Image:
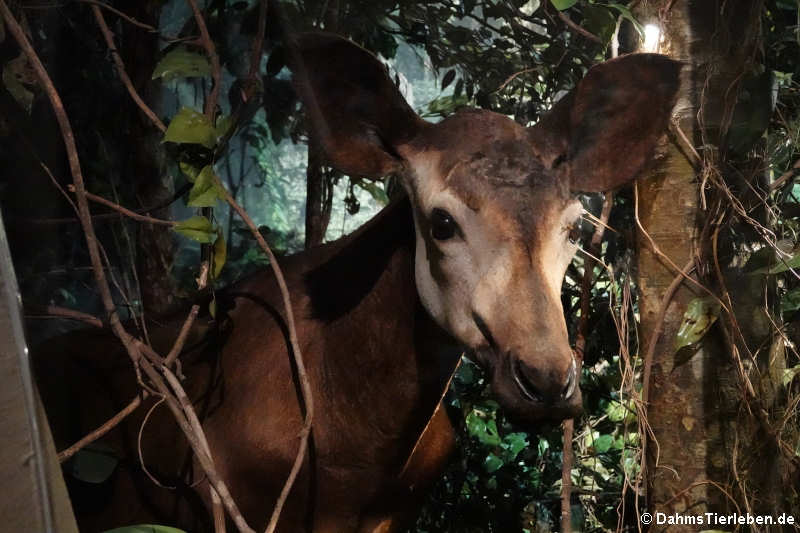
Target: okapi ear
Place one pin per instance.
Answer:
(602, 134)
(354, 108)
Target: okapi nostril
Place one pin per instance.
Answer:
(528, 389)
(571, 384)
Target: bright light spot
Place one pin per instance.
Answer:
(652, 38)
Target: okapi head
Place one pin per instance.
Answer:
(494, 202)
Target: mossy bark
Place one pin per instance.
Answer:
(709, 450)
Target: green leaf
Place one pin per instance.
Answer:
(196, 228)
(190, 171)
(191, 127)
(93, 464)
(220, 254)
(375, 190)
(561, 5)
(205, 192)
(603, 443)
(616, 411)
(448, 78)
(16, 74)
(626, 14)
(224, 123)
(782, 266)
(212, 308)
(145, 528)
(700, 315)
(789, 374)
(515, 443)
(181, 63)
(492, 463)
(484, 431)
(791, 300)
(600, 21)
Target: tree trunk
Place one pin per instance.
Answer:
(155, 248)
(707, 453)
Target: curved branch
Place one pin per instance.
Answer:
(123, 74)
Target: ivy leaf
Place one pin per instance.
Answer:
(191, 127)
(626, 14)
(561, 5)
(484, 431)
(515, 443)
(700, 315)
(17, 74)
(220, 254)
(377, 193)
(181, 63)
(603, 443)
(205, 192)
(448, 78)
(791, 300)
(224, 123)
(492, 463)
(600, 21)
(190, 171)
(196, 228)
(789, 374)
(784, 265)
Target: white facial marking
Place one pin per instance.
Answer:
(472, 272)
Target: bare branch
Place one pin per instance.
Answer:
(125, 211)
(123, 74)
(296, 353)
(110, 424)
(578, 29)
(211, 51)
(54, 311)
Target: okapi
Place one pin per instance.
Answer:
(472, 259)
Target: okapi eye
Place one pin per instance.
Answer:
(574, 235)
(443, 226)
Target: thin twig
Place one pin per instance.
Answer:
(54, 311)
(107, 426)
(513, 76)
(123, 74)
(181, 340)
(125, 211)
(785, 176)
(296, 353)
(96, 3)
(567, 462)
(211, 52)
(195, 442)
(578, 29)
(580, 347)
(191, 416)
(258, 41)
(658, 328)
(665, 257)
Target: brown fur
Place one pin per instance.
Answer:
(371, 408)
